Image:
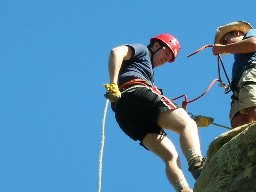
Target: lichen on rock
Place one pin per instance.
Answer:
(231, 162)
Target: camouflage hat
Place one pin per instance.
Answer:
(234, 26)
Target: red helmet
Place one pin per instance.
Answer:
(170, 41)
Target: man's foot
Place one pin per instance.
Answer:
(196, 166)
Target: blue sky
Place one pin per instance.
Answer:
(53, 63)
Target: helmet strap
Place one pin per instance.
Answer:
(152, 53)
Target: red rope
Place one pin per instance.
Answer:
(202, 48)
(227, 90)
(185, 102)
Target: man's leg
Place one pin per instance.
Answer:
(179, 121)
(164, 148)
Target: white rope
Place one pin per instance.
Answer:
(102, 145)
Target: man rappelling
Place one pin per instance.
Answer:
(142, 111)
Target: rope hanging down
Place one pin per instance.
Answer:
(102, 145)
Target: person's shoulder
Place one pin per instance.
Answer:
(139, 49)
(137, 45)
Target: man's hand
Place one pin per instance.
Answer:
(113, 93)
(218, 49)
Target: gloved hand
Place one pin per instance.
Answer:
(113, 93)
(202, 121)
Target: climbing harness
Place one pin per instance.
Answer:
(102, 145)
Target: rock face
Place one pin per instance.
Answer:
(231, 162)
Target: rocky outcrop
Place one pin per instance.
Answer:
(231, 162)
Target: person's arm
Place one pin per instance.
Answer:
(245, 46)
(116, 58)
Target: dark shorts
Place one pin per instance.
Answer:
(138, 109)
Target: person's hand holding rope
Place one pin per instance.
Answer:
(113, 93)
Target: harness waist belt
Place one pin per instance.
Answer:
(132, 83)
